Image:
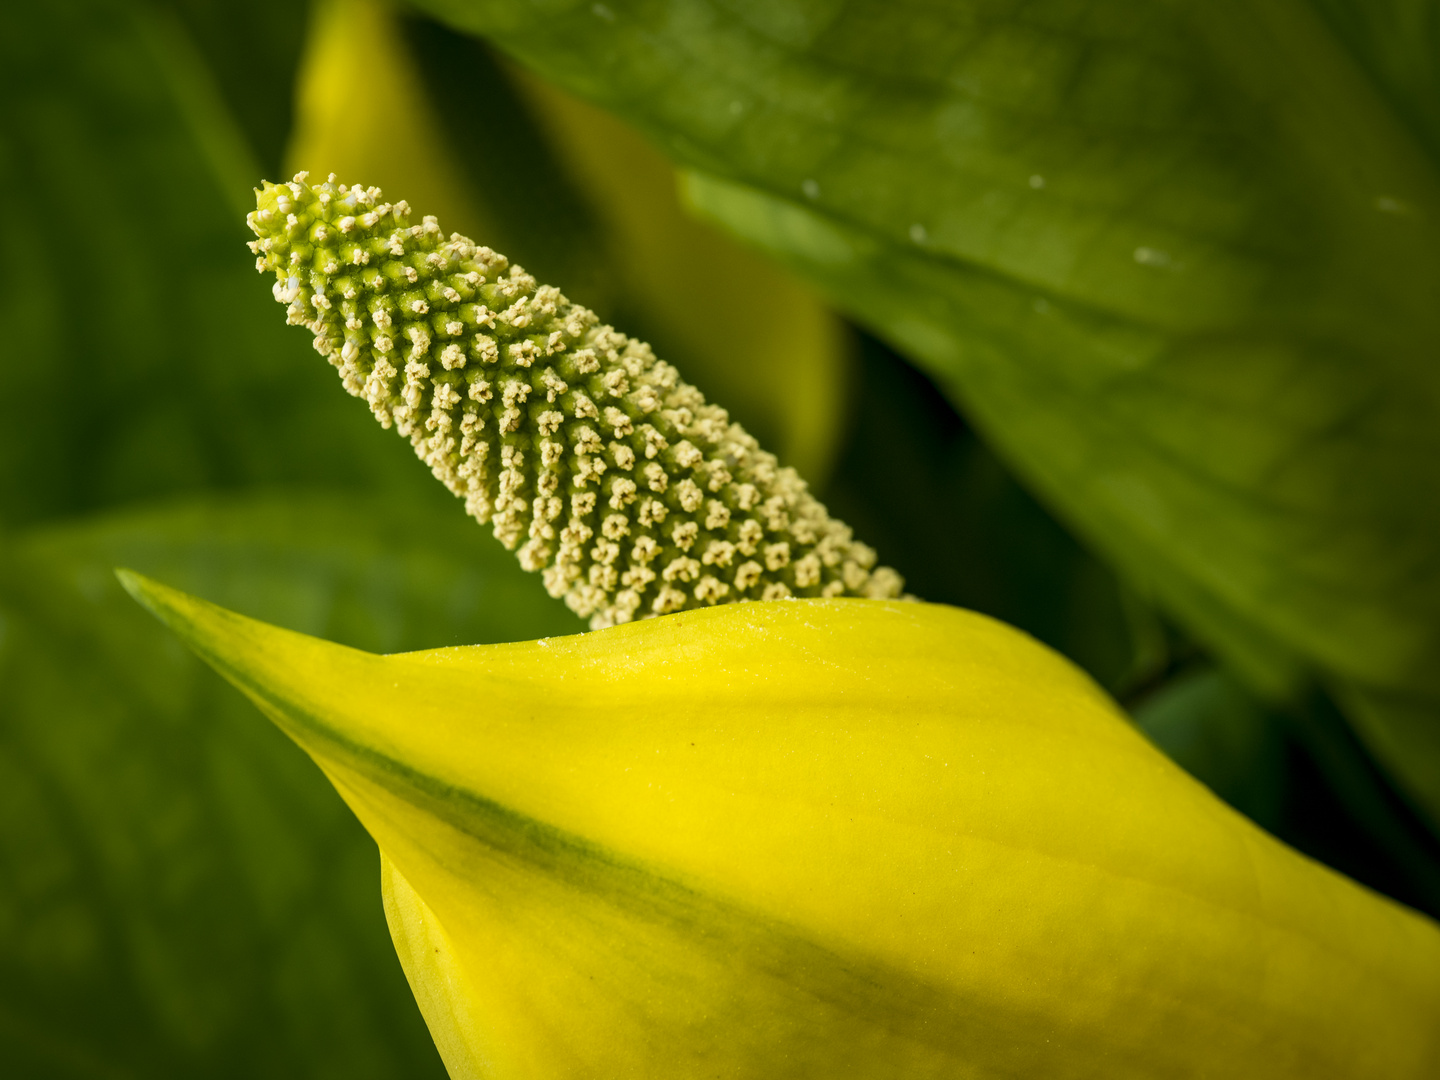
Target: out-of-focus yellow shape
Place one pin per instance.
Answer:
(824, 839)
(742, 329)
(751, 335)
(361, 110)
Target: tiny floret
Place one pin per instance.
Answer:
(526, 406)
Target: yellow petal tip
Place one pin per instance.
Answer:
(155, 598)
(196, 622)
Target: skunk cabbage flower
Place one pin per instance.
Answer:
(812, 837)
(824, 838)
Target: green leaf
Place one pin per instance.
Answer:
(143, 356)
(250, 51)
(1177, 261)
(181, 893)
(1396, 41)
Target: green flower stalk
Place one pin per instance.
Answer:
(607, 471)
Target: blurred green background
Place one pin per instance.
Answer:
(181, 893)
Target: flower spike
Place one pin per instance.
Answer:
(611, 474)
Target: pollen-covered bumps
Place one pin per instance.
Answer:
(609, 473)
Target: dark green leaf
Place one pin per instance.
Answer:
(1397, 42)
(250, 52)
(143, 354)
(181, 892)
(1178, 261)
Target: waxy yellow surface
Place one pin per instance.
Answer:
(825, 839)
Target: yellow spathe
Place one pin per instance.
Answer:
(825, 839)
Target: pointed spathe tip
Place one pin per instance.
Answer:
(177, 610)
(192, 620)
(282, 671)
(225, 639)
(157, 599)
(132, 582)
